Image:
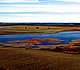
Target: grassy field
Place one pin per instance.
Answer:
(32, 30)
(26, 31)
(28, 59)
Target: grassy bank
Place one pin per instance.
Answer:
(23, 30)
(28, 59)
(6, 31)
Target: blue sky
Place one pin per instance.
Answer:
(40, 11)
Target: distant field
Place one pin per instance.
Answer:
(27, 31)
(33, 29)
(28, 59)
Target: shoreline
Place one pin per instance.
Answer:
(14, 33)
(12, 30)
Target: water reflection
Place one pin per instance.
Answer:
(67, 36)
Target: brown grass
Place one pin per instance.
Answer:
(33, 30)
(28, 59)
(40, 26)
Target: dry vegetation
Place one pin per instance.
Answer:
(34, 30)
(28, 59)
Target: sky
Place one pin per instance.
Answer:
(42, 11)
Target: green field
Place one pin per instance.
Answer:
(28, 59)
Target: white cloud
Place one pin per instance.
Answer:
(9, 1)
(50, 11)
(70, 0)
(41, 8)
(41, 18)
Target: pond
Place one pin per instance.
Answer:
(67, 36)
(4, 27)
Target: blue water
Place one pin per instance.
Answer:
(4, 27)
(67, 36)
